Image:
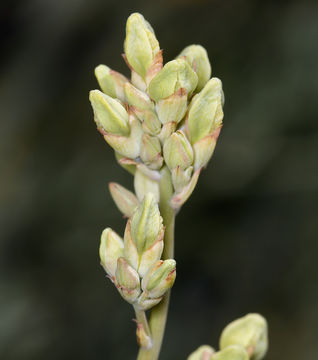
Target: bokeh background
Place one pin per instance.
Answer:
(247, 238)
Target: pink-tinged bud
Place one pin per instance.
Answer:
(145, 303)
(111, 248)
(146, 223)
(127, 281)
(173, 108)
(205, 111)
(137, 98)
(127, 146)
(141, 45)
(181, 178)
(150, 152)
(204, 148)
(111, 82)
(109, 113)
(144, 184)
(197, 57)
(180, 198)
(177, 151)
(160, 278)
(125, 200)
(143, 339)
(174, 75)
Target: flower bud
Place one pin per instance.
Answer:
(173, 108)
(143, 185)
(143, 339)
(131, 168)
(146, 223)
(177, 151)
(205, 114)
(151, 255)
(197, 57)
(181, 178)
(111, 248)
(127, 281)
(150, 122)
(166, 130)
(150, 152)
(137, 98)
(111, 82)
(232, 352)
(130, 248)
(174, 75)
(143, 240)
(204, 352)
(141, 45)
(127, 146)
(138, 81)
(109, 114)
(203, 149)
(145, 303)
(125, 200)
(181, 197)
(160, 278)
(250, 332)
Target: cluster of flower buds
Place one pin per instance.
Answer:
(133, 263)
(163, 117)
(243, 339)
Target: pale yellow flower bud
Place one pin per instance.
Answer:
(181, 197)
(127, 281)
(144, 184)
(125, 200)
(146, 303)
(143, 240)
(173, 108)
(160, 278)
(232, 352)
(181, 178)
(131, 168)
(150, 152)
(150, 122)
(197, 57)
(111, 82)
(110, 115)
(177, 151)
(137, 98)
(203, 149)
(146, 223)
(205, 114)
(127, 146)
(250, 332)
(204, 352)
(141, 45)
(166, 130)
(111, 248)
(174, 75)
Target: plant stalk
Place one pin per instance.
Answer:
(158, 315)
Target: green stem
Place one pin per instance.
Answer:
(159, 313)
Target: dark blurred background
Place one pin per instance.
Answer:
(247, 238)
